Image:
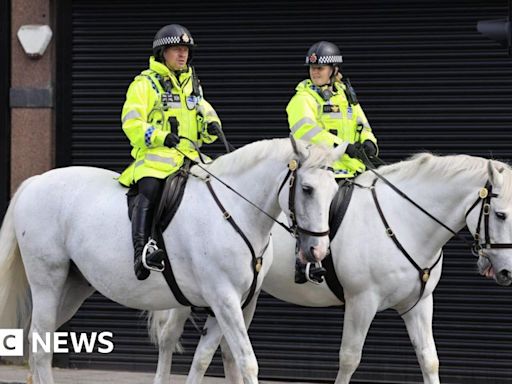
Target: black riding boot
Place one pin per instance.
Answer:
(316, 273)
(141, 227)
(300, 272)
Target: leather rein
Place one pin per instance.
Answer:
(484, 197)
(257, 261)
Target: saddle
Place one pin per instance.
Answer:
(339, 206)
(168, 201)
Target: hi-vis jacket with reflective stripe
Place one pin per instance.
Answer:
(330, 122)
(145, 119)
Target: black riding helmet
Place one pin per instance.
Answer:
(325, 53)
(170, 35)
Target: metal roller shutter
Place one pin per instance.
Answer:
(427, 81)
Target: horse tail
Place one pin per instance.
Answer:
(15, 297)
(158, 328)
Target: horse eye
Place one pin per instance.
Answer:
(501, 215)
(307, 189)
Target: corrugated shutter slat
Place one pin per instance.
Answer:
(427, 81)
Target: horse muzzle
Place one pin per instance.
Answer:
(503, 277)
(312, 249)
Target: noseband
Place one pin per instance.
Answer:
(484, 196)
(295, 229)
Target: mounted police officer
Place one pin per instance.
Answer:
(325, 110)
(164, 115)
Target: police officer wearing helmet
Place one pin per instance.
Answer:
(325, 110)
(163, 116)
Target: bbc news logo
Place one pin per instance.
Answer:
(11, 342)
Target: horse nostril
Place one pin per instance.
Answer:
(312, 250)
(506, 274)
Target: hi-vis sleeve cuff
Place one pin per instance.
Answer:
(158, 138)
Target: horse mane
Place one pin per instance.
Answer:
(445, 167)
(277, 149)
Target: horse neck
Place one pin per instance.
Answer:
(259, 184)
(447, 199)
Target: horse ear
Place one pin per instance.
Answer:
(495, 175)
(339, 151)
(299, 148)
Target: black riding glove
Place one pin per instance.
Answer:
(213, 128)
(171, 140)
(353, 150)
(369, 148)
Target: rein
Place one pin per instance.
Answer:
(293, 167)
(288, 229)
(424, 273)
(484, 196)
(257, 261)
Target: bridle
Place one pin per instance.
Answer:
(484, 196)
(295, 229)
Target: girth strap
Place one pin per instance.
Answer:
(424, 273)
(256, 261)
(169, 274)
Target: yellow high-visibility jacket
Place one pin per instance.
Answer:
(330, 122)
(153, 97)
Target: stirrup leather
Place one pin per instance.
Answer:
(149, 248)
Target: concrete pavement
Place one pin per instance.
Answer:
(15, 374)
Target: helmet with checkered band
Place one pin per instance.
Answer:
(171, 35)
(324, 53)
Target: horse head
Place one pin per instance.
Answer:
(492, 226)
(311, 189)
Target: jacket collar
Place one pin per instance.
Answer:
(308, 86)
(165, 72)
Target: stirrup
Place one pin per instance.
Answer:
(306, 272)
(149, 248)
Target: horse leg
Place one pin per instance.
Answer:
(46, 287)
(208, 345)
(231, 371)
(419, 326)
(75, 290)
(166, 328)
(226, 307)
(359, 314)
(205, 350)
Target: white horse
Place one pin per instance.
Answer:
(375, 274)
(69, 228)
